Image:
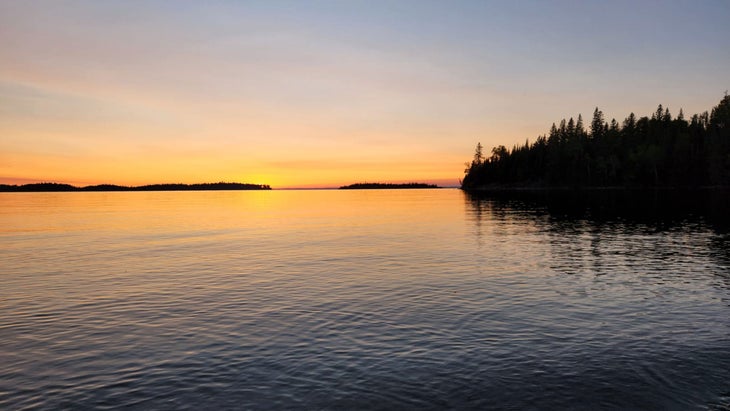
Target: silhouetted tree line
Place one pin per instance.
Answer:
(360, 186)
(656, 151)
(38, 187)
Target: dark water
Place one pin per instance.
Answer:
(416, 299)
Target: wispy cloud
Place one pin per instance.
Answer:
(234, 86)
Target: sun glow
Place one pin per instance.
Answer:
(253, 93)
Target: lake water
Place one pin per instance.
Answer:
(372, 299)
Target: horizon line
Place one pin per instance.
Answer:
(133, 187)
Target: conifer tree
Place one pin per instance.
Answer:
(650, 151)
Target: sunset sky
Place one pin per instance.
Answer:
(325, 93)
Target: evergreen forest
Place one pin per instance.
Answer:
(363, 186)
(660, 150)
(47, 187)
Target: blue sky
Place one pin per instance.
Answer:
(323, 93)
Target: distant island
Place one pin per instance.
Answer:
(657, 151)
(46, 187)
(366, 186)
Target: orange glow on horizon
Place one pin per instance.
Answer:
(245, 92)
(141, 171)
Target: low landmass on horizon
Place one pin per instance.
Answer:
(45, 187)
(648, 152)
(368, 186)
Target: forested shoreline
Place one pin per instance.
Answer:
(366, 186)
(48, 187)
(661, 151)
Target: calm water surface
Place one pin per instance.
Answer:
(407, 299)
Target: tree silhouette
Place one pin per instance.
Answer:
(39, 187)
(656, 151)
(478, 155)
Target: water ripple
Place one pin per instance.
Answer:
(332, 300)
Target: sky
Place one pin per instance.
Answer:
(327, 93)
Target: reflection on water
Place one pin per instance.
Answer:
(363, 299)
(635, 277)
(613, 224)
